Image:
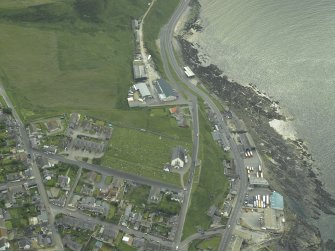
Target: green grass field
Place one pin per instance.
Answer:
(60, 56)
(212, 186)
(208, 244)
(142, 153)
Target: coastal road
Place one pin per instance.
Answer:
(168, 57)
(193, 106)
(43, 195)
(108, 171)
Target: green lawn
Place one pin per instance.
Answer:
(124, 247)
(212, 186)
(142, 153)
(158, 16)
(108, 180)
(209, 244)
(60, 56)
(152, 119)
(137, 194)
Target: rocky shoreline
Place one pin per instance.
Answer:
(289, 165)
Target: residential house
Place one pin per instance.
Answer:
(74, 119)
(178, 157)
(94, 206)
(44, 240)
(110, 233)
(4, 244)
(64, 182)
(24, 244)
(69, 243)
(70, 221)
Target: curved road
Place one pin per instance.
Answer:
(168, 57)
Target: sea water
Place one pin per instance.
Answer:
(286, 48)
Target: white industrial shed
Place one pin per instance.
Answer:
(143, 89)
(189, 73)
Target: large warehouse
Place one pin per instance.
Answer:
(143, 90)
(140, 74)
(164, 90)
(277, 201)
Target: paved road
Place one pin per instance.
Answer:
(168, 56)
(108, 171)
(195, 148)
(35, 171)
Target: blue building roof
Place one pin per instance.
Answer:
(166, 88)
(277, 201)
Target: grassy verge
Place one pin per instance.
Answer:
(3, 102)
(212, 185)
(157, 17)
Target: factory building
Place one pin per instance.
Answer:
(258, 182)
(140, 73)
(189, 73)
(277, 201)
(143, 89)
(164, 90)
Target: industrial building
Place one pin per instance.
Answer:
(189, 73)
(258, 181)
(164, 90)
(277, 201)
(140, 73)
(143, 89)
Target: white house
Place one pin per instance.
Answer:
(178, 157)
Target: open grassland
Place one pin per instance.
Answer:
(158, 16)
(15, 4)
(208, 244)
(151, 119)
(142, 153)
(60, 56)
(213, 184)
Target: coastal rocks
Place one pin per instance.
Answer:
(289, 164)
(305, 237)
